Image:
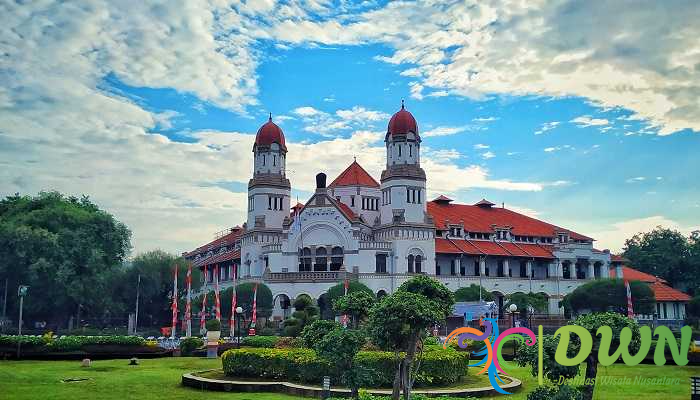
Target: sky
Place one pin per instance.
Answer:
(584, 114)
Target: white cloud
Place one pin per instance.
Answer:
(585, 121)
(480, 146)
(485, 119)
(639, 58)
(547, 126)
(636, 179)
(444, 131)
(552, 149)
(488, 154)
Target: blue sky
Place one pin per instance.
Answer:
(596, 134)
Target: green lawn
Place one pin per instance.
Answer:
(160, 378)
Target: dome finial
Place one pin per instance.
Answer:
(402, 104)
(270, 117)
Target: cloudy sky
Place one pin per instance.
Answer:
(585, 114)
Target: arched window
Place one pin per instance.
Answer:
(321, 263)
(380, 263)
(410, 263)
(304, 259)
(419, 261)
(336, 258)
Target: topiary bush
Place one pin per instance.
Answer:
(72, 343)
(286, 342)
(314, 332)
(213, 325)
(438, 366)
(260, 341)
(190, 344)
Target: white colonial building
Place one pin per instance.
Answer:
(382, 233)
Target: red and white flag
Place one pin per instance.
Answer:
(188, 306)
(203, 313)
(174, 306)
(345, 316)
(216, 293)
(233, 303)
(630, 310)
(254, 318)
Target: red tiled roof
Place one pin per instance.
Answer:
(401, 123)
(442, 198)
(481, 219)
(617, 258)
(230, 255)
(270, 133)
(346, 210)
(226, 240)
(354, 175)
(662, 292)
(490, 248)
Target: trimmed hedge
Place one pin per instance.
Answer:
(260, 341)
(438, 367)
(71, 343)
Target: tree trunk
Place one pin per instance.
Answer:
(396, 392)
(408, 363)
(591, 372)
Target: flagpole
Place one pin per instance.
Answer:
(254, 317)
(188, 307)
(136, 317)
(174, 324)
(203, 313)
(233, 304)
(216, 293)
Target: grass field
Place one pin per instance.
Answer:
(160, 378)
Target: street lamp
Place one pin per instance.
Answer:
(22, 293)
(239, 311)
(512, 309)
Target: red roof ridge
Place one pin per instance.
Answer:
(503, 247)
(522, 249)
(354, 175)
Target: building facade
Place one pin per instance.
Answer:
(382, 233)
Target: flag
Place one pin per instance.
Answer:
(296, 225)
(233, 303)
(254, 318)
(188, 306)
(345, 316)
(217, 306)
(203, 313)
(630, 310)
(174, 325)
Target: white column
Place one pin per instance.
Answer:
(605, 270)
(528, 268)
(560, 269)
(482, 266)
(458, 264)
(591, 270)
(506, 268)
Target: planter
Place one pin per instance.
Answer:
(213, 337)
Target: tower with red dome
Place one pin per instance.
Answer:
(268, 194)
(403, 179)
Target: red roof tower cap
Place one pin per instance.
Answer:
(402, 123)
(354, 175)
(270, 133)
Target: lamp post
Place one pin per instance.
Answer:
(512, 309)
(239, 311)
(21, 292)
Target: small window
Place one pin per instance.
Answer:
(352, 201)
(399, 150)
(263, 160)
(274, 161)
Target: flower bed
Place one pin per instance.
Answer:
(438, 366)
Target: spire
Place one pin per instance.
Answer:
(402, 107)
(270, 117)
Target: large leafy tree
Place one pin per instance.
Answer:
(400, 321)
(356, 305)
(603, 295)
(326, 301)
(471, 293)
(537, 302)
(66, 249)
(339, 347)
(666, 253)
(244, 299)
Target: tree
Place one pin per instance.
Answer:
(339, 347)
(693, 309)
(64, 248)
(356, 305)
(603, 295)
(244, 293)
(616, 322)
(326, 301)
(399, 322)
(471, 293)
(305, 313)
(665, 253)
(315, 331)
(527, 301)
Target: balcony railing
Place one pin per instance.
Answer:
(272, 248)
(306, 276)
(364, 245)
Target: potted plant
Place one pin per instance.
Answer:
(213, 330)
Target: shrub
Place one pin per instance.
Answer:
(12, 340)
(314, 332)
(190, 344)
(438, 366)
(71, 343)
(562, 392)
(260, 341)
(213, 325)
(286, 342)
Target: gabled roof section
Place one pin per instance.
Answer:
(478, 218)
(484, 203)
(443, 199)
(227, 240)
(354, 175)
(662, 291)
